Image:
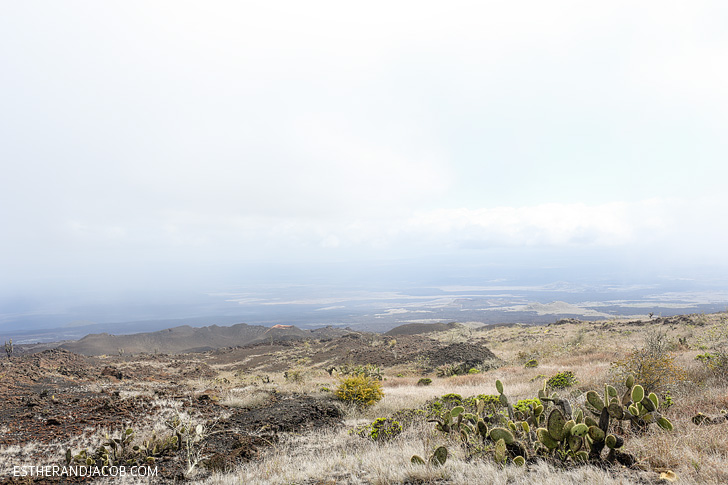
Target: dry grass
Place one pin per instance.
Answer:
(696, 454)
(246, 397)
(344, 458)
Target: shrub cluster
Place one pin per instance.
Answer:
(561, 380)
(369, 370)
(381, 429)
(715, 363)
(360, 390)
(653, 365)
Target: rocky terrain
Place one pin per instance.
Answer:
(239, 405)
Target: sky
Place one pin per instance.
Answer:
(170, 141)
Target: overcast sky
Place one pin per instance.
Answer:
(137, 134)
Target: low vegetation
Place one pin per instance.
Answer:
(607, 402)
(360, 390)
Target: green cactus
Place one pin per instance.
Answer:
(482, 429)
(545, 438)
(548, 427)
(629, 383)
(500, 451)
(638, 393)
(655, 400)
(497, 434)
(575, 443)
(579, 430)
(589, 421)
(613, 442)
(416, 460)
(593, 398)
(555, 424)
(616, 411)
(664, 423)
(596, 434)
(479, 406)
(648, 405)
(439, 457)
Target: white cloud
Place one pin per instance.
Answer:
(143, 130)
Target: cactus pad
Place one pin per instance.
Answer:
(596, 433)
(579, 429)
(497, 434)
(638, 393)
(629, 382)
(456, 411)
(575, 443)
(555, 424)
(616, 411)
(595, 400)
(439, 457)
(544, 437)
(664, 423)
(500, 451)
(499, 386)
(416, 460)
(482, 428)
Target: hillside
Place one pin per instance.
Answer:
(182, 339)
(268, 411)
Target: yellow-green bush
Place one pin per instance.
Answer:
(360, 390)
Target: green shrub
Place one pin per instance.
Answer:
(381, 429)
(369, 370)
(451, 398)
(715, 363)
(532, 363)
(425, 381)
(360, 390)
(492, 403)
(437, 405)
(526, 405)
(562, 380)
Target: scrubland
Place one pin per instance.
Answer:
(683, 360)
(673, 354)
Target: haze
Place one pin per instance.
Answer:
(157, 153)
